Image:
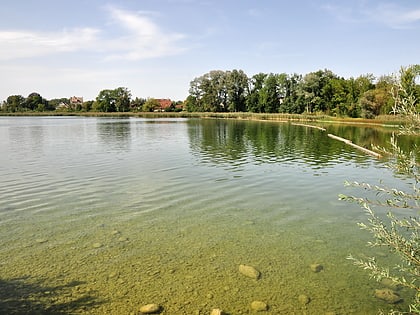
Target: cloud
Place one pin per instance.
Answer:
(135, 36)
(392, 15)
(16, 44)
(144, 38)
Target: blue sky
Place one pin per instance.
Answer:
(156, 47)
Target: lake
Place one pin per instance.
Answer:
(104, 215)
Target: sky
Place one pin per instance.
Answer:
(155, 48)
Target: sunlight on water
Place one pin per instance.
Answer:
(101, 216)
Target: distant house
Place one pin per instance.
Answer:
(164, 104)
(75, 101)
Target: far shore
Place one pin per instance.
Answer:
(384, 120)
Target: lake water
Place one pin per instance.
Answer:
(103, 215)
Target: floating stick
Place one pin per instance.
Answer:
(310, 126)
(346, 141)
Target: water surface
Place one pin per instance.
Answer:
(103, 215)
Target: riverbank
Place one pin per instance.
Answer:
(385, 120)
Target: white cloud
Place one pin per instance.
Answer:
(144, 38)
(137, 37)
(21, 44)
(392, 15)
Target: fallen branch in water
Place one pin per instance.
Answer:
(346, 141)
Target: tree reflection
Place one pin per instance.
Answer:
(226, 141)
(115, 133)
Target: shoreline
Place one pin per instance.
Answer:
(383, 121)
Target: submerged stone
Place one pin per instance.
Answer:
(389, 283)
(216, 311)
(388, 295)
(259, 306)
(249, 271)
(150, 308)
(316, 267)
(304, 299)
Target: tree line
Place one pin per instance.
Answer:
(233, 91)
(316, 92)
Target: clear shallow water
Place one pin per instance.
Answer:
(102, 215)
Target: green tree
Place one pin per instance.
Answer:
(255, 85)
(35, 102)
(371, 103)
(315, 88)
(150, 105)
(14, 103)
(291, 96)
(137, 104)
(55, 102)
(117, 100)
(385, 85)
(269, 98)
(87, 106)
(236, 86)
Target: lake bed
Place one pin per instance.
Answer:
(104, 215)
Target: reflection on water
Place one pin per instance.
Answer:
(266, 142)
(115, 133)
(102, 215)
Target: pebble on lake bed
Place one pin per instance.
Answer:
(304, 299)
(150, 309)
(216, 311)
(316, 267)
(388, 296)
(249, 272)
(259, 306)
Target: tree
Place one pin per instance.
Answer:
(117, 100)
(269, 98)
(14, 103)
(137, 104)
(371, 103)
(87, 106)
(315, 93)
(56, 102)
(290, 93)
(255, 85)
(150, 105)
(236, 85)
(385, 85)
(35, 101)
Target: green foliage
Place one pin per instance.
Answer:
(400, 235)
(117, 100)
(14, 103)
(150, 105)
(316, 92)
(137, 104)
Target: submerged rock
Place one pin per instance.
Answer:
(259, 306)
(249, 271)
(316, 267)
(304, 299)
(388, 295)
(150, 309)
(216, 311)
(389, 283)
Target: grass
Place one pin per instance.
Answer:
(384, 120)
